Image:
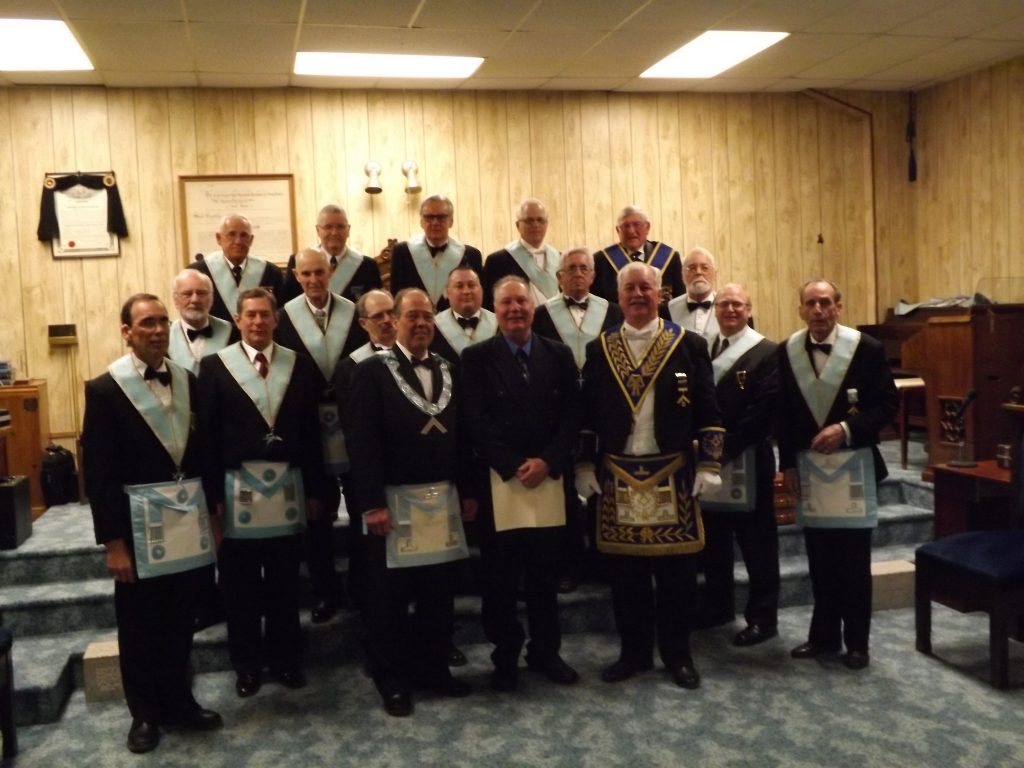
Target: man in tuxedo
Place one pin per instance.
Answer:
(694, 310)
(139, 431)
(530, 256)
(522, 412)
(465, 321)
(352, 273)
(376, 312)
(745, 366)
(575, 317)
(837, 395)
(233, 270)
(425, 261)
(632, 228)
(319, 324)
(649, 393)
(258, 413)
(404, 437)
(196, 334)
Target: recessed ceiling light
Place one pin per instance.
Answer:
(328, 64)
(39, 45)
(713, 53)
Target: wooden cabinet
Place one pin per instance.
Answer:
(29, 435)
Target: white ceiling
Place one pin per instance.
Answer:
(530, 44)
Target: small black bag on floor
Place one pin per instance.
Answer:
(57, 476)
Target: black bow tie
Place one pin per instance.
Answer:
(826, 348)
(467, 322)
(192, 333)
(571, 302)
(426, 362)
(692, 305)
(436, 249)
(164, 377)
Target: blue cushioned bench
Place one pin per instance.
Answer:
(977, 571)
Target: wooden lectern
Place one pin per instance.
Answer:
(979, 349)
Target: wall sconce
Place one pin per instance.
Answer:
(412, 184)
(372, 171)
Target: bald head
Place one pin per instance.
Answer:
(732, 309)
(313, 271)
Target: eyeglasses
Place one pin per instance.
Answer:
(380, 317)
(634, 224)
(333, 227)
(533, 221)
(437, 217)
(201, 293)
(583, 269)
(734, 305)
(699, 268)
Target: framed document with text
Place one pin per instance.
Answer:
(267, 200)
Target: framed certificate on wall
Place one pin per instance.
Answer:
(267, 200)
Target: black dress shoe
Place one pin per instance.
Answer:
(452, 688)
(504, 679)
(143, 737)
(323, 610)
(291, 678)
(554, 669)
(809, 650)
(247, 684)
(856, 659)
(456, 658)
(754, 634)
(199, 719)
(686, 676)
(623, 670)
(398, 704)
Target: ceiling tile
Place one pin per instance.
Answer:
(392, 13)
(476, 83)
(123, 10)
(579, 15)
(668, 16)
(961, 18)
(797, 84)
(874, 15)
(56, 78)
(881, 85)
(126, 46)
(1013, 29)
(956, 58)
(584, 83)
(243, 47)
(417, 41)
(473, 14)
(250, 11)
(780, 15)
(28, 9)
(795, 53)
(873, 55)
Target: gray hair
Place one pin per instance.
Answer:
(574, 250)
(632, 210)
(187, 273)
(633, 266)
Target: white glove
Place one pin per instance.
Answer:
(705, 481)
(586, 483)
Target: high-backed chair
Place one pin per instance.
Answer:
(10, 735)
(976, 571)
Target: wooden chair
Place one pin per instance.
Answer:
(976, 571)
(7, 728)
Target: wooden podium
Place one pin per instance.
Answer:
(30, 433)
(979, 349)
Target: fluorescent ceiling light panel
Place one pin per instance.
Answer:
(328, 64)
(39, 45)
(713, 53)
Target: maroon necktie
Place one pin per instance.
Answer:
(261, 364)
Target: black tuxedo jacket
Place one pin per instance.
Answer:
(233, 429)
(384, 432)
(120, 449)
(271, 281)
(286, 335)
(606, 276)
(405, 275)
(748, 411)
(366, 278)
(543, 325)
(878, 401)
(510, 420)
(496, 266)
(675, 425)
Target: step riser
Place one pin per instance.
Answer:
(44, 569)
(56, 618)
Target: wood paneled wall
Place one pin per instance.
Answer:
(779, 186)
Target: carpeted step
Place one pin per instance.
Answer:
(55, 607)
